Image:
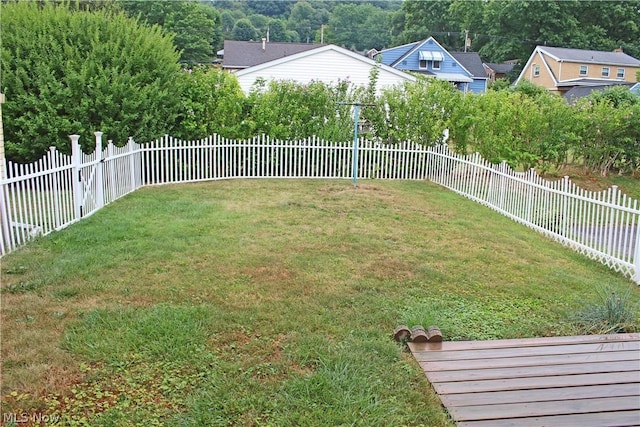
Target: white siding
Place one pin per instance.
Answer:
(329, 66)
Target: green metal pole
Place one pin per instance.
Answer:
(356, 119)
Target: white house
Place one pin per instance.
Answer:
(328, 64)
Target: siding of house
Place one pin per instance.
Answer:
(453, 69)
(477, 86)
(568, 70)
(391, 55)
(545, 78)
(328, 66)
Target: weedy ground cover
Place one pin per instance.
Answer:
(271, 302)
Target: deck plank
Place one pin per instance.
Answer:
(583, 380)
(488, 353)
(553, 359)
(541, 395)
(534, 383)
(533, 371)
(603, 419)
(538, 409)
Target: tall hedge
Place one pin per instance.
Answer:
(74, 72)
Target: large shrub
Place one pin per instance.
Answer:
(290, 110)
(419, 111)
(526, 127)
(75, 72)
(609, 124)
(212, 102)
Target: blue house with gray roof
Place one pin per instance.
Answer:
(428, 57)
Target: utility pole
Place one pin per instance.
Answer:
(466, 39)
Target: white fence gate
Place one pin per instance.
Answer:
(58, 190)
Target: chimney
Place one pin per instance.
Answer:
(264, 44)
(618, 50)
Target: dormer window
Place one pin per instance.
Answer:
(425, 57)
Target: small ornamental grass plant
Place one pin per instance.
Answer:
(613, 311)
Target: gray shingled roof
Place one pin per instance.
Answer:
(581, 91)
(500, 68)
(244, 54)
(471, 61)
(590, 56)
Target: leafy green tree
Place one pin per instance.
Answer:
(271, 8)
(425, 18)
(74, 72)
(212, 102)
(510, 29)
(358, 27)
(260, 23)
(244, 30)
(197, 28)
(277, 31)
(306, 20)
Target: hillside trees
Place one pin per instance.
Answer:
(74, 72)
(510, 29)
(197, 28)
(358, 27)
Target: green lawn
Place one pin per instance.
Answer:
(272, 302)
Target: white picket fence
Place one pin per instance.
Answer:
(59, 190)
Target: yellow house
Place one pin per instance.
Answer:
(560, 69)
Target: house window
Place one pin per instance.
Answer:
(423, 63)
(584, 70)
(620, 73)
(436, 65)
(605, 71)
(536, 71)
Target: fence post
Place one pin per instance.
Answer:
(111, 179)
(636, 255)
(55, 188)
(132, 164)
(99, 172)
(76, 161)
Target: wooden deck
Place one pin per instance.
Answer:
(562, 381)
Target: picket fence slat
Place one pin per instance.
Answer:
(59, 190)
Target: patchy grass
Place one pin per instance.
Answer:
(271, 302)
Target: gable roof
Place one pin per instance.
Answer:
(582, 91)
(244, 54)
(499, 68)
(324, 63)
(471, 62)
(588, 56)
(577, 55)
(410, 48)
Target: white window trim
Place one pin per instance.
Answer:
(433, 64)
(426, 64)
(623, 73)
(536, 70)
(586, 71)
(608, 72)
